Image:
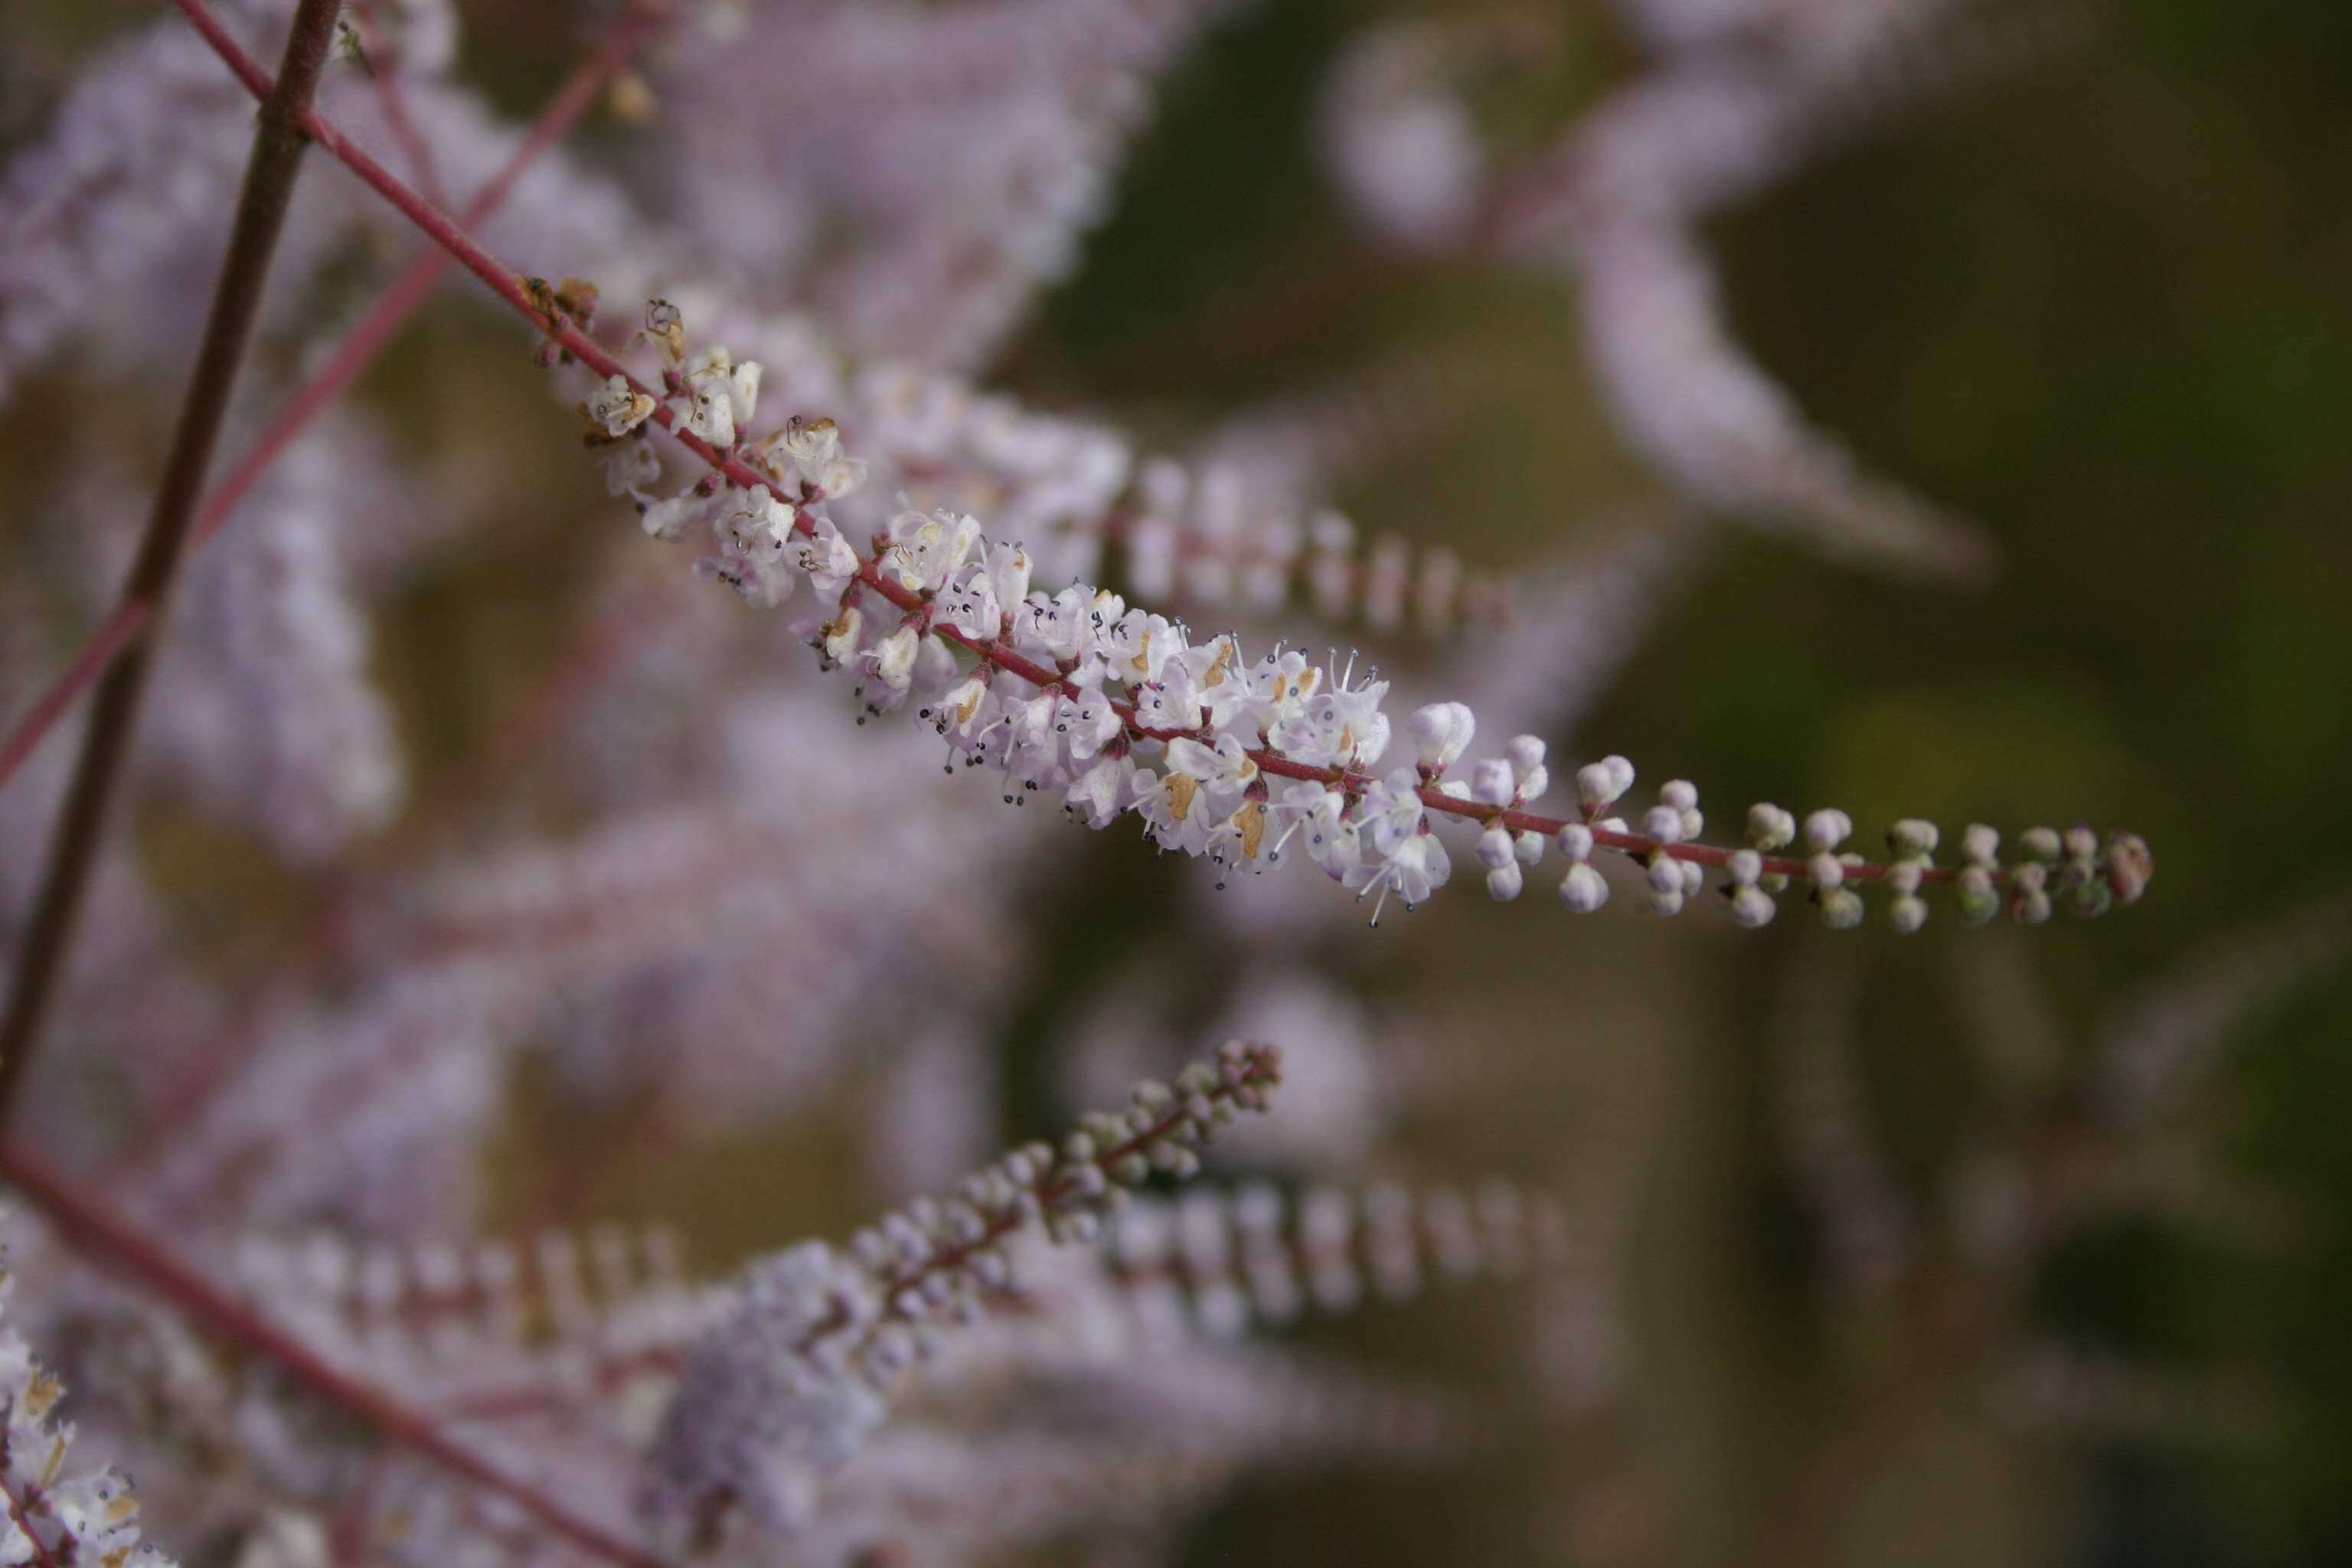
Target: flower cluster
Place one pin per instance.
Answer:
(787, 1388)
(53, 1516)
(1118, 710)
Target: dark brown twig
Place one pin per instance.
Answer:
(277, 142)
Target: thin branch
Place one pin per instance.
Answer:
(385, 65)
(270, 174)
(88, 1224)
(401, 298)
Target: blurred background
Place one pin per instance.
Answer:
(486, 872)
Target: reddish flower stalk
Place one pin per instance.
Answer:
(88, 1224)
(509, 286)
(1261, 1070)
(400, 300)
(517, 292)
(384, 65)
(262, 203)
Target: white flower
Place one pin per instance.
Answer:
(1169, 703)
(629, 466)
(1008, 572)
(1237, 839)
(1173, 813)
(1217, 686)
(1342, 726)
(1224, 770)
(840, 636)
(1390, 811)
(617, 408)
(1137, 644)
(1316, 811)
(810, 445)
(1086, 723)
(665, 328)
(757, 523)
(969, 604)
(1056, 629)
(1100, 793)
(843, 475)
(827, 558)
(709, 410)
(743, 393)
(924, 549)
(960, 712)
(1279, 685)
(670, 519)
(1416, 867)
(892, 661)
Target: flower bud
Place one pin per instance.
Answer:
(1912, 836)
(1583, 890)
(1496, 849)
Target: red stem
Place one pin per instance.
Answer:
(385, 68)
(88, 1224)
(400, 298)
(21, 1510)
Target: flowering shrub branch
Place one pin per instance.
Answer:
(953, 587)
(787, 1388)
